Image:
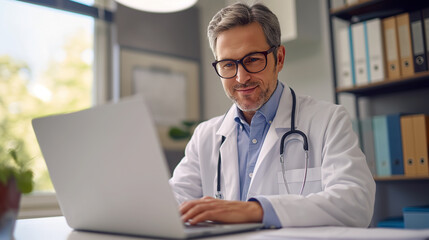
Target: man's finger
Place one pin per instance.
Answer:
(190, 204)
(195, 208)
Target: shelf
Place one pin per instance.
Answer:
(401, 178)
(376, 8)
(389, 95)
(417, 81)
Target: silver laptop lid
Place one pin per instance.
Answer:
(108, 170)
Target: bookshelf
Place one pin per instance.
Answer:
(417, 81)
(402, 178)
(388, 96)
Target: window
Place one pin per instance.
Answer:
(46, 66)
(46, 59)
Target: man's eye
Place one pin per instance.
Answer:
(252, 60)
(227, 65)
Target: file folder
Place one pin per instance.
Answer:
(391, 222)
(345, 74)
(382, 148)
(405, 48)
(391, 47)
(395, 144)
(421, 133)
(416, 217)
(419, 46)
(425, 15)
(407, 132)
(376, 67)
(359, 53)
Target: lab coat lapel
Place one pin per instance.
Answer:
(230, 183)
(280, 125)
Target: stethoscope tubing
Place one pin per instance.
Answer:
(293, 130)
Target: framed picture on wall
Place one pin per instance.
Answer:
(170, 86)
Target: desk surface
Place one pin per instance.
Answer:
(57, 228)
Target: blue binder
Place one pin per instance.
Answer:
(352, 62)
(382, 148)
(395, 144)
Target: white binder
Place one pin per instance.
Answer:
(344, 73)
(360, 52)
(375, 49)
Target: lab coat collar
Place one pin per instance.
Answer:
(283, 115)
(228, 124)
(280, 125)
(230, 183)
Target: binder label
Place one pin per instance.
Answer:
(392, 55)
(403, 40)
(417, 38)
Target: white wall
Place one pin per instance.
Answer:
(308, 66)
(307, 69)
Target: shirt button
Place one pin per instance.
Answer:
(254, 141)
(270, 122)
(250, 175)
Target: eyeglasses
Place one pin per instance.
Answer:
(253, 63)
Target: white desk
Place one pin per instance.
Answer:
(56, 228)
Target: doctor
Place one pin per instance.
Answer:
(233, 170)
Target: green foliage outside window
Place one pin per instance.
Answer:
(65, 86)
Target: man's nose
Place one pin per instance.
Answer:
(242, 75)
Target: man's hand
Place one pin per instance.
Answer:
(208, 208)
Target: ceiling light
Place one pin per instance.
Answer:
(158, 6)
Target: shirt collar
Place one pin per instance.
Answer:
(268, 110)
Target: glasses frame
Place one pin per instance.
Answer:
(240, 61)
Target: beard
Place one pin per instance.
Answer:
(252, 107)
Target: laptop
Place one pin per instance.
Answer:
(110, 174)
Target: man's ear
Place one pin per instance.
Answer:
(281, 52)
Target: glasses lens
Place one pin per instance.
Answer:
(255, 62)
(252, 63)
(226, 69)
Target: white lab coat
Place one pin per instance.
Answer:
(339, 189)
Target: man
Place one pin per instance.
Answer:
(237, 156)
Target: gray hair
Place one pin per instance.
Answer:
(240, 14)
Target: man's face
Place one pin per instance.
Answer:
(249, 90)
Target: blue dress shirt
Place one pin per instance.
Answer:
(249, 143)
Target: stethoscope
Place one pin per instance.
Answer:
(293, 130)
